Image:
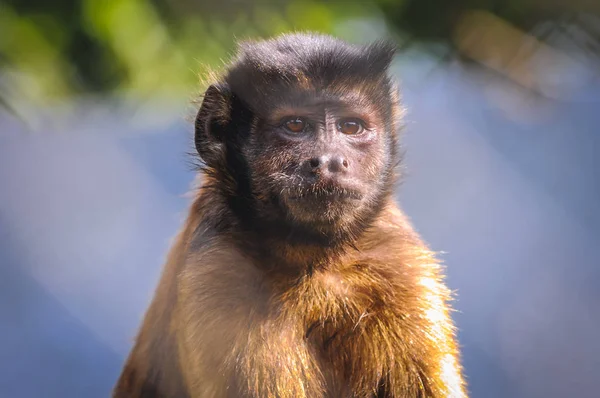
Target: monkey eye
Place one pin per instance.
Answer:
(295, 125)
(351, 126)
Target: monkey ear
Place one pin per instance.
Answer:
(212, 122)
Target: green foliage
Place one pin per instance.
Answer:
(50, 50)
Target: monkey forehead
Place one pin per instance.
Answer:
(365, 98)
(316, 105)
(368, 100)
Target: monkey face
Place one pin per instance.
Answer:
(296, 136)
(322, 164)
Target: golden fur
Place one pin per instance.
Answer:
(376, 318)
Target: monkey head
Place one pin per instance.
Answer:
(302, 130)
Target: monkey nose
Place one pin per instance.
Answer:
(328, 163)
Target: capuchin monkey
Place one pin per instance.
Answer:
(296, 274)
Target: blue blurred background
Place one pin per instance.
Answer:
(501, 173)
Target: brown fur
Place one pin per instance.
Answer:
(241, 313)
(377, 319)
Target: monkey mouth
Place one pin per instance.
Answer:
(330, 194)
(323, 208)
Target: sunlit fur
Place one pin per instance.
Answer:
(262, 298)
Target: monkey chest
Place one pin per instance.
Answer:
(352, 333)
(350, 316)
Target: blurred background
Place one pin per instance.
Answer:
(502, 176)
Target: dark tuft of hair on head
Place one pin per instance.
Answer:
(319, 58)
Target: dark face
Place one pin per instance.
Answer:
(300, 138)
(321, 159)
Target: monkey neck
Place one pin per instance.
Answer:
(282, 246)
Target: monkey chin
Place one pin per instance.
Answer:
(324, 209)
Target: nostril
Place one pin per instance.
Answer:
(337, 164)
(314, 162)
